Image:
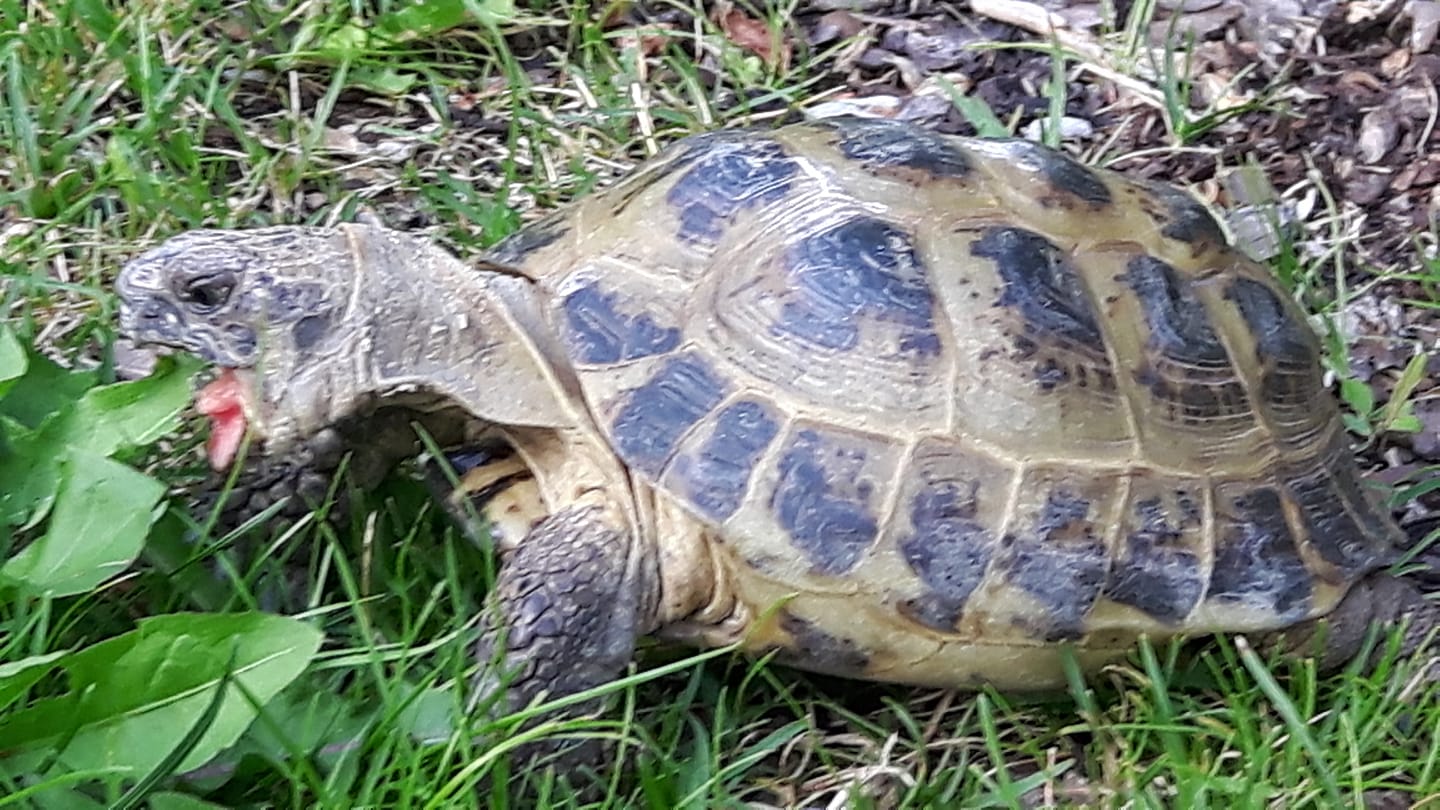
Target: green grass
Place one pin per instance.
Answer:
(120, 124)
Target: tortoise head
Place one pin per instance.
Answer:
(274, 305)
(316, 325)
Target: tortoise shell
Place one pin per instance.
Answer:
(952, 401)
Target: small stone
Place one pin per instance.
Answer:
(835, 25)
(1070, 129)
(1425, 23)
(1378, 134)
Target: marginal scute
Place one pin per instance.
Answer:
(1280, 337)
(944, 535)
(1157, 570)
(658, 414)
(817, 650)
(880, 146)
(598, 330)
(1335, 515)
(517, 248)
(1257, 561)
(731, 177)
(832, 485)
(1057, 555)
(859, 270)
(715, 476)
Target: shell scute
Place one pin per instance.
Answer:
(882, 148)
(1257, 558)
(1158, 566)
(831, 487)
(1054, 550)
(1071, 181)
(657, 414)
(1335, 514)
(1042, 283)
(713, 472)
(725, 180)
(600, 329)
(861, 273)
(1183, 218)
(811, 646)
(951, 504)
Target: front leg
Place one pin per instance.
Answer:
(570, 602)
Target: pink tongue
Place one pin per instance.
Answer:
(221, 401)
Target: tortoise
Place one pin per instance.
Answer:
(886, 403)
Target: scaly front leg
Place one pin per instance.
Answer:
(570, 603)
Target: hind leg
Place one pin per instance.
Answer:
(1380, 601)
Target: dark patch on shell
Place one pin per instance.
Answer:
(1179, 325)
(1283, 345)
(1060, 562)
(1156, 574)
(1279, 336)
(597, 331)
(863, 268)
(825, 500)
(1256, 558)
(814, 649)
(1043, 285)
(1185, 219)
(1067, 175)
(727, 176)
(659, 413)
(515, 249)
(881, 147)
(1181, 333)
(1331, 507)
(716, 476)
(948, 549)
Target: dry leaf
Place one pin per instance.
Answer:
(752, 35)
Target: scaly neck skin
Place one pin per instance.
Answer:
(431, 324)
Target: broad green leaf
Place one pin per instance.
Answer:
(133, 697)
(17, 676)
(29, 475)
(430, 716)
(13, 361)
(329, 727)
(1358, 395)
(44, 390)
(125, 415)
(97, 527)
(421, 19)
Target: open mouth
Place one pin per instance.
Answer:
(226, 400)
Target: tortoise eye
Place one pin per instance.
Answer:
(208, 292)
